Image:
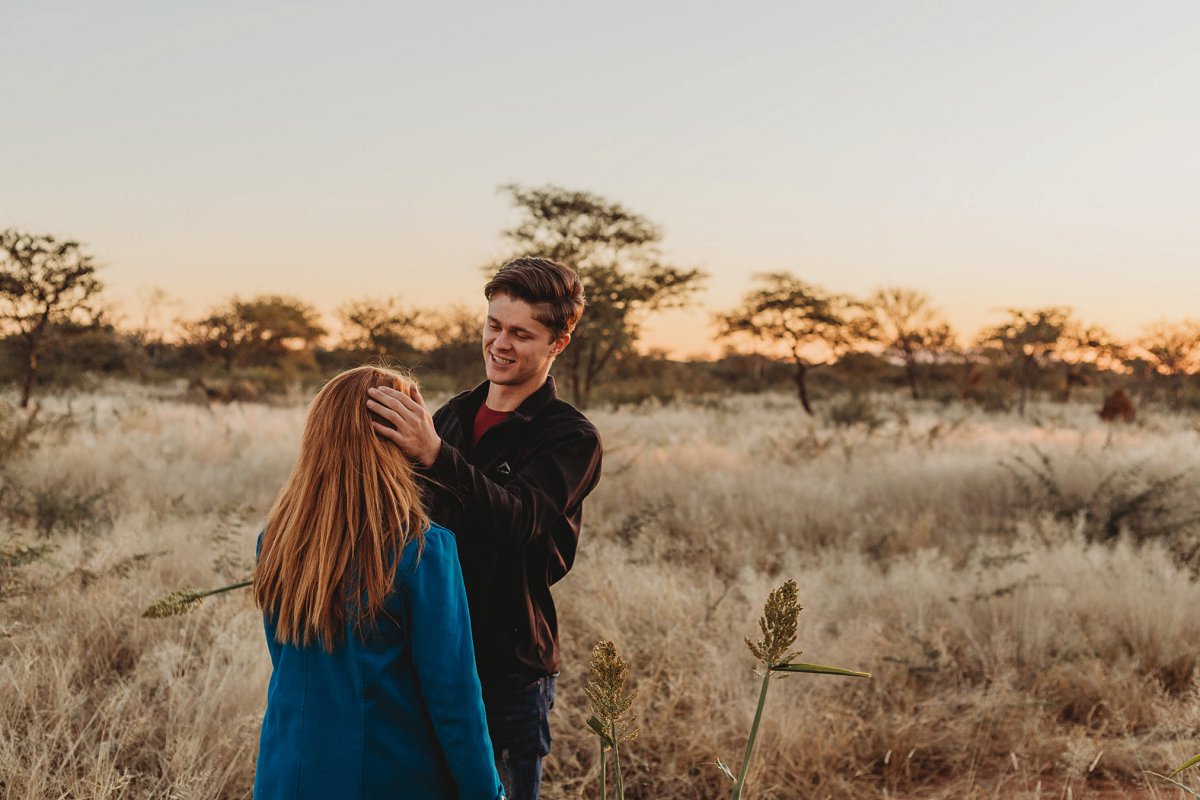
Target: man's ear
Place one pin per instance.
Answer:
(560, 344)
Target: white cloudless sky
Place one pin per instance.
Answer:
(992, 154)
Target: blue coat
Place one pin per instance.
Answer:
(395, 714)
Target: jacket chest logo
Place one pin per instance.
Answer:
(504, 469)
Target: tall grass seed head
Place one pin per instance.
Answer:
(180, 601)
(778, 623)
(606, 688)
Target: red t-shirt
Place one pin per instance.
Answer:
(485, 420)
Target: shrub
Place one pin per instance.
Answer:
(855, 409)
(21, 430)
(1125, 500)
(57, 507)
(13, 556)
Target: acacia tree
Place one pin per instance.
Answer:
(909, 328)
(46, 287)
(616, 253)
(263, 329)
(451, 338)
(1083, 345)
(1028, 340)
(381, 326)
(799, 316)
(1174, 352)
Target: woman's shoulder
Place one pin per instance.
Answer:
(435, 543)
(439, 542)
(434, 558)
(436, 531)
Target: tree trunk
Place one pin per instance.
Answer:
(31, 365)
(598, 358)
(575, 373)
(592, 364)
(1175, 390)
(910, 372)
(585, 393)
(1072, 379)
(802, 387)
(1025, 379)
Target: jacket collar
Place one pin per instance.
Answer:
(466, 405)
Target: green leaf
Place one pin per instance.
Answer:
(1178, 785)
(725, 768)
(1191, 762)
(820, 670)
(598, 728)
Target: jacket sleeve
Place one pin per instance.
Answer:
(444, 659)
(511, 515)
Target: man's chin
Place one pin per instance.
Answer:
(504, 380)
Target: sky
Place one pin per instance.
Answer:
(992, 154)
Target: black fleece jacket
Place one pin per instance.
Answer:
(514, 502)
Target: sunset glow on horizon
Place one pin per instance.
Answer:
(990, 156)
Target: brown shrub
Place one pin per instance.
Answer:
(1118, 406)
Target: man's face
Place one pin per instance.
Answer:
(517, 349)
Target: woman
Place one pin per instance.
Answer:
(374, 692)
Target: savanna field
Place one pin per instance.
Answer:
(1022, 590)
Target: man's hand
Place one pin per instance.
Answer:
(414, 432)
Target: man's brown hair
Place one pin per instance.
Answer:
(554, 291)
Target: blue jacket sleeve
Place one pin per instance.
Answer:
(444, 658)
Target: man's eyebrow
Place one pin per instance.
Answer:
(516, 328)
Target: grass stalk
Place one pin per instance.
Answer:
(620, 786)
(183, 601)
(610, 720)
(762, 701)
(229, 588)
(778, 623)
(603, 775)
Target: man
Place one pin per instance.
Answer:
(509, 464)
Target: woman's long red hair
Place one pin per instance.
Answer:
(336, 532)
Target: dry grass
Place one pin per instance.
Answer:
(1013, 657)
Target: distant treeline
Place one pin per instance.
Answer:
(56, 331)
(266, 346)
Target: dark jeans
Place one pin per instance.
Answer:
(518, 717)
